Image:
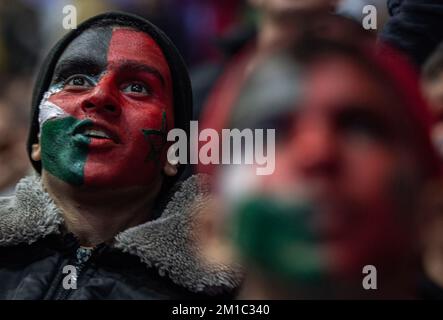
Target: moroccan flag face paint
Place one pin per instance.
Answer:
(105, 117)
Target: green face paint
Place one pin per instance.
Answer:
(63, 155)
(272, 235)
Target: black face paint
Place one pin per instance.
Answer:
(87, 54)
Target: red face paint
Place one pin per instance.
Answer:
(131, 96)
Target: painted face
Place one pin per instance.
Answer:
(347, 152)
(105, 117)
(335, 202)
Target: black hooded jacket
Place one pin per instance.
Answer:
(156, 260)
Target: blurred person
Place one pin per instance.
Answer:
(103, 217)
(19, 52)
(280, 22)
(18, 56)
(352, 159)
(432, 83)
(413, 27)
(202, 21)
(432, 229)
(431, 244)
(14, 163)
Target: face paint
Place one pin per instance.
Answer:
(105, 123)
(156, 148)
(272, 234)
(348, 145)
(343, 153)
(48, 110)
(56, 140)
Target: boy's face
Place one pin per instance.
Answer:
(104, 120)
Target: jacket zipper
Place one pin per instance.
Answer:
(81, 260)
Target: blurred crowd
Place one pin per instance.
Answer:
(358, 116)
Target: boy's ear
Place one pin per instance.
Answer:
(170, 169)
(36, 152)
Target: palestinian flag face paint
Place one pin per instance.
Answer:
(272, 234)
(104, 120)
(311, 240)
(344, 189)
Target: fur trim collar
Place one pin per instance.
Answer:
(166, 243)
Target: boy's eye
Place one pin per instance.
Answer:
(137, 88)
(78, 81)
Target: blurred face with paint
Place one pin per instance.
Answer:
(345, 156)
(104, 120)
(345, 188)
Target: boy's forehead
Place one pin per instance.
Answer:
(337, 80)
(91, 44)
(132, 45)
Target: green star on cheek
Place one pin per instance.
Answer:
(156, 148)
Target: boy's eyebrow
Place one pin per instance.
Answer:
(88, 65)
(135, 66)
(77, 65)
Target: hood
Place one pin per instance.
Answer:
(167, 243)
(182, 92)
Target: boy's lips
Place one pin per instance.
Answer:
(96, 131)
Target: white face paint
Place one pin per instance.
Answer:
(236, 183)
(49, 110)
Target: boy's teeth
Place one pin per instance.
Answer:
(96, 133)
